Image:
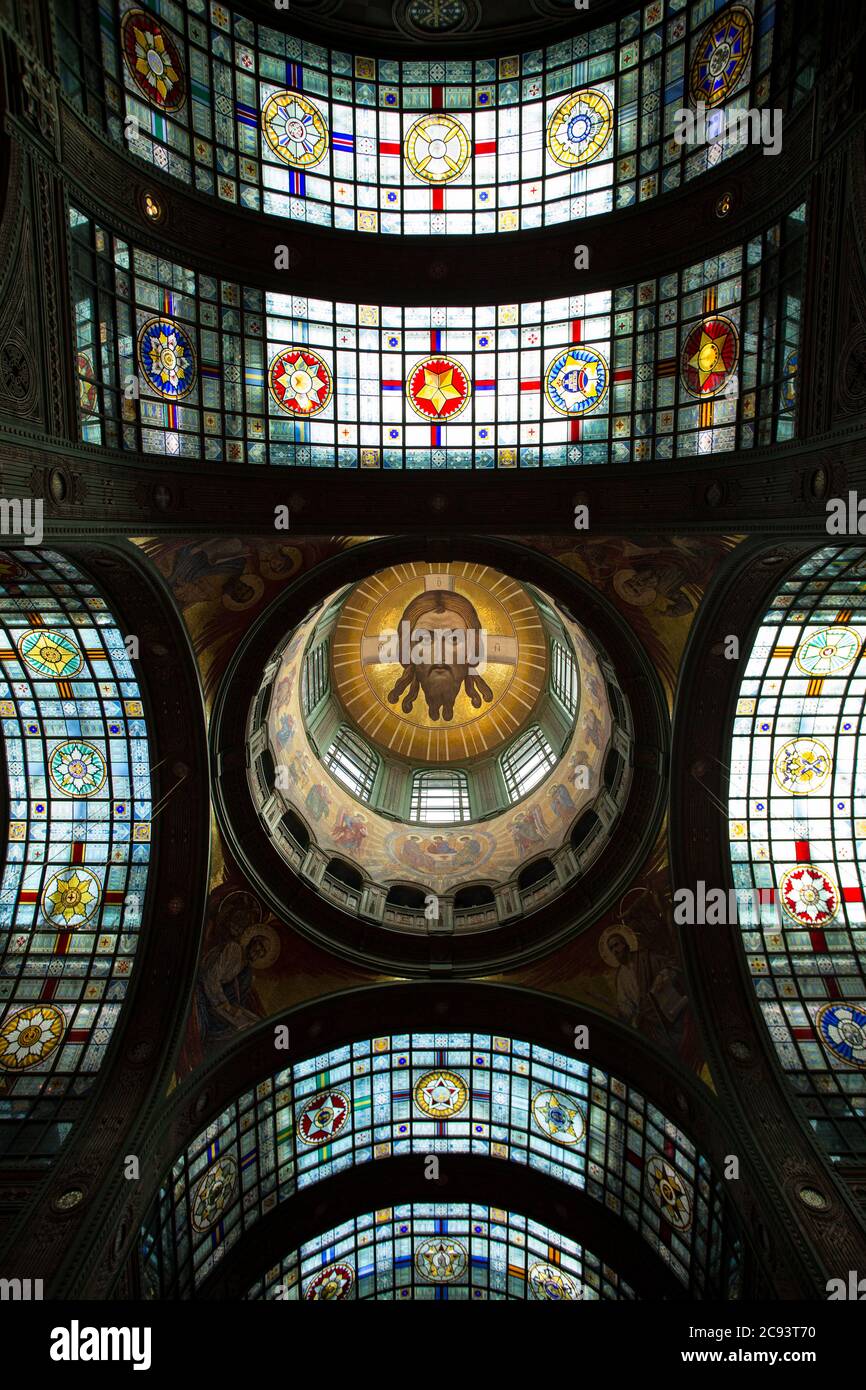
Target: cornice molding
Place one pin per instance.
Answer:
(780, 489)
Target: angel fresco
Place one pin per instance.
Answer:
(285, 729)
(318, 801)
(562, 803)
(529, 830)
(350, 831)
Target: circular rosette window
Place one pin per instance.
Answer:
(554, 1285)
(437, 148)
(721, 54)
(50, 653)
(153, 60)
(295, 130)
(214, 1193)
(300, 381)
(441, 1261)
(167, 358)
(580, 128)
(709, 356)
(576, 381)
(669, 1191)
(842, 1030)
(334, 1281)
(437, 748)
(28, 1036)
(438, 388)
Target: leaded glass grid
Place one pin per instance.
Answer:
(563, 676)
(438, 1093)
(442, 1251)
(352, 762)
(797, 833)
(316, 677)
(440, 797)
(583, 127)
(609, 376)
(527, 762)
(79, 828)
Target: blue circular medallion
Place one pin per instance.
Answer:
(167, 358)
(842, 1030)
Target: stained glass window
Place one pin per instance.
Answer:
(174, 363)
(75, 873)
(527, 762)
(440, 1250)
(439, 1093)
(797, 824)
(268, 122)
(352, 762)
(440, 797)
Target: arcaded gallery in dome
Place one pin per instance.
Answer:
(432, 668)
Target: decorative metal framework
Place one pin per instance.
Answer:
(316, 676)
(440, 797)
(438, 1093)
(79, 813)
(526, 762)
(174, 363)
(270, 123)
(444, 1251)
(353, 762)
(797, 830)
(563, 677)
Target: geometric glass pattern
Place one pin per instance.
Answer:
(721, 54)
(797, 830)
(443, 1093)
(77, 765)
(693, 362)
(166, 358)
(406, 1252)
(272, 123)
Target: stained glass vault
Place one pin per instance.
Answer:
(270, 123)
(445, 1252)
(79, 828)
(439, 1093)
(797, 833)
(174, 363)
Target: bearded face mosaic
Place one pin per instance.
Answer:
(798, 837)
(442, 1251)
(75, 875)
(698, 361)
(434, 1094)
(273, 124)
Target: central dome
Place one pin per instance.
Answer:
(439, 664)
(439, 731)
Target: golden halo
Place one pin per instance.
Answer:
(604, 948)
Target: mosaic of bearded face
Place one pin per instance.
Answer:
(445, 632)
